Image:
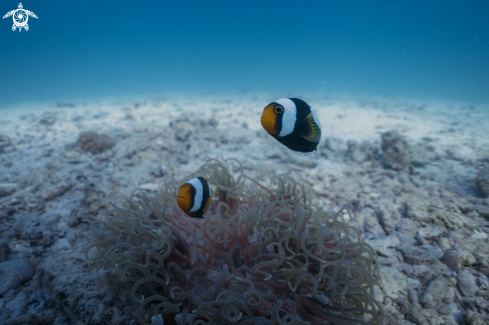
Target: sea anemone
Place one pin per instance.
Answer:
(263, 254)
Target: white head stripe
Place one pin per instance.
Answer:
(289, 117)
(316, 118)
(199, 193)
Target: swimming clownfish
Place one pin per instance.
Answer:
(293, 123)
(194, 197)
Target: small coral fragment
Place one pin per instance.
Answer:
(94, 142)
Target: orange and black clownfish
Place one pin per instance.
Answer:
(293, 123)
(194, 197)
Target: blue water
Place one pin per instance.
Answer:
(92, 49)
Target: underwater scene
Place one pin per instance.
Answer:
(250, 162)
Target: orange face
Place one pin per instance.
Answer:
(269, 118)
(184, 198)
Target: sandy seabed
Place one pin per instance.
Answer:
(405, 168)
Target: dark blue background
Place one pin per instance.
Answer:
(86, 49)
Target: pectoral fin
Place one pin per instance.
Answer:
(309, 129)
(207, 204)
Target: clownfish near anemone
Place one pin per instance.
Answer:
(293, 123)
(194, 197)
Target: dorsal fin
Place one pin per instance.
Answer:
(309, 129)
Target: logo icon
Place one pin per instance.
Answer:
(20, 17)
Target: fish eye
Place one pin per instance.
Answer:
(192, 191)
(278, 109)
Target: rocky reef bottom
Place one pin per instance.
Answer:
(413, 174)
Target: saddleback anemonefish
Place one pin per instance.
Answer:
(194, 197)
(293, 123)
